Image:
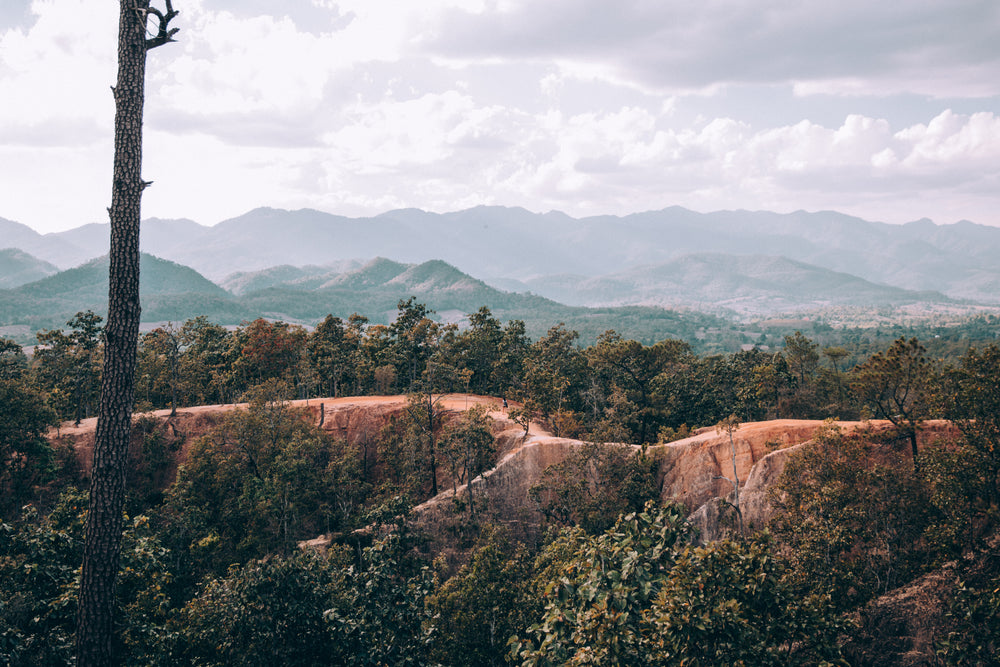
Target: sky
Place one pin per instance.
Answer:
(885, 110)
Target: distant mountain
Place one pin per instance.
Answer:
(167, 291)
(157, 236)
(18, 267)
(376, 288)
(49, 248)
(501, 245)
(744, 284)
(496, 244)
(170, 291)
(243, 282)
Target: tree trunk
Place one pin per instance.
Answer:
(430, 435)
(95, 619)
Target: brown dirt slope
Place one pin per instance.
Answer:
(690, 472)
(356, 419)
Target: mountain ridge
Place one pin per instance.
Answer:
(510, 246)
(172, 292)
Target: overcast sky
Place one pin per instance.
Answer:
(885, 110)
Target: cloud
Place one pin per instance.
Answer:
(61, 67)
(587, 106)
(853, 46)
(635, 159)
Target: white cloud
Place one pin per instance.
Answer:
(587, 106)
(852, 46)
(59, 70)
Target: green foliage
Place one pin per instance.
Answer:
(731, 603)
(268, 351)
(628, 372)
(408, 447)
(854, 520)
(266, 612)
(974, 640)
(152, 451)
(333, 350)
(261, 481)
(958, 479)
(39, 582)
(852, 516)
(896, 386)
(13, 362)
(414, 338)
(205, 362)
(494, 355)
(26, 457)
(640, 595)
(595, 483)
(468, 446)
(381, 618)
(970, 397)
(68, 366)
(488, 600)
(595, 607)
(39, 563)
(554, 371)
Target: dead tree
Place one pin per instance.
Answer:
(729, 425)
(102, 547)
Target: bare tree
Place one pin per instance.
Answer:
(114, 420)
(729, 425)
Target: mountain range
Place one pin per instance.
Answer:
(172, 292)
(299, 265)
(500, 245)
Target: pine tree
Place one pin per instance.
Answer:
(107, 487)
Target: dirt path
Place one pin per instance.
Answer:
(453, 402)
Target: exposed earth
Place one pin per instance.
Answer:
(692, 471)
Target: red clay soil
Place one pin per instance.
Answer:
(691, 469)
(357, 419)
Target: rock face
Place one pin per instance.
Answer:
(781, 440)
(695, 471)
(357, 420)
(690, 472)
(899, 629)
(699, 468)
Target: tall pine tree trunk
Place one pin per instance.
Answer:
(95, 620)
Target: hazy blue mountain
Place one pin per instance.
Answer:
(501, 245)
(242, 282)
(305, 277)
(168, 291)
(495, 243)
(18, 267)
(91, 240)
(745, 284)
(376, 273)
(49, 248)
(16, 235)
(264, 238)
(157, 236)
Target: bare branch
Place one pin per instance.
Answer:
(164, 33)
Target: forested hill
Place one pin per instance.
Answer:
(958, 260)
(171, 292)
(446, 525)
(18, 267)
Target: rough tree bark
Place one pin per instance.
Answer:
(95, 619)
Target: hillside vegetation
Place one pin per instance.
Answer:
(499, 244)
(517, 500)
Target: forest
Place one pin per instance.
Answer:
(213, 571)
